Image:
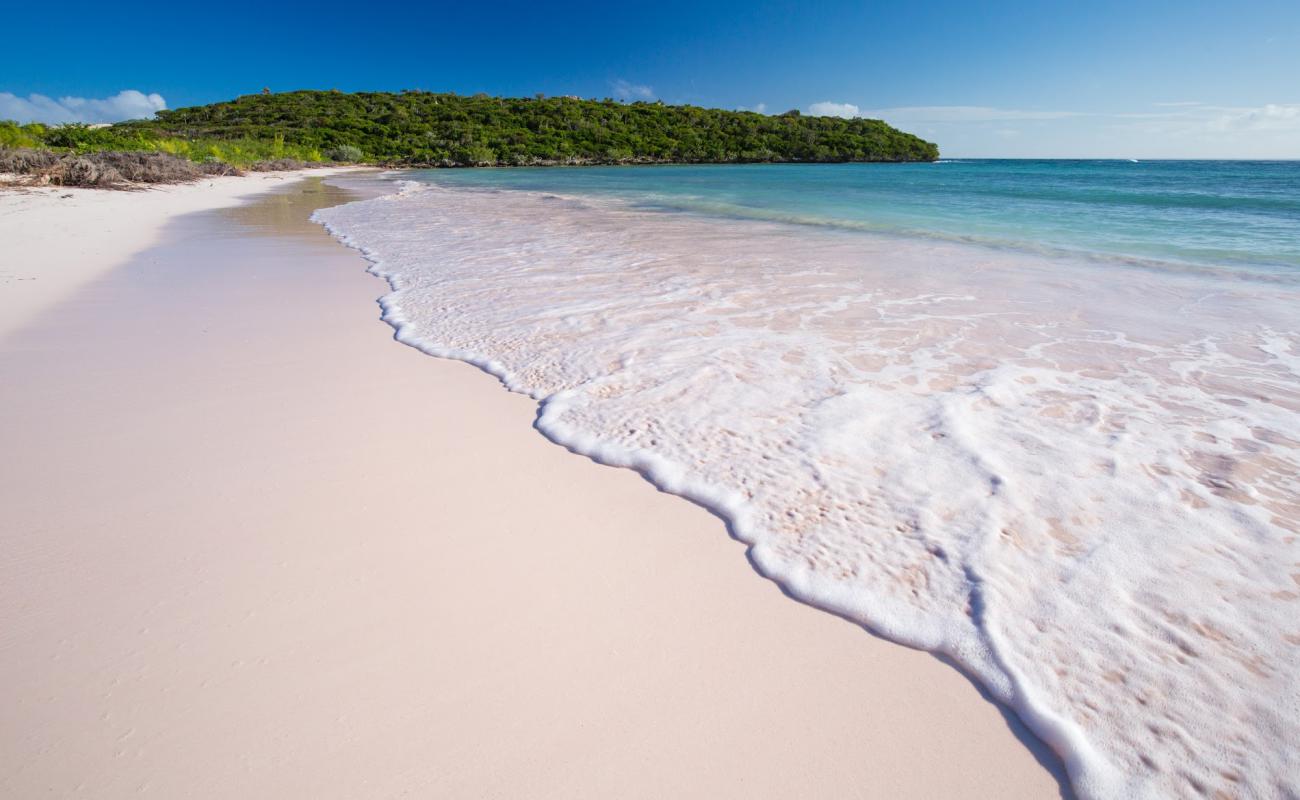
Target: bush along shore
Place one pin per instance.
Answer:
(111, 169)
(424, 129)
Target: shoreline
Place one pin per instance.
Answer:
(622, 646)
(71, 255)
(787, 381)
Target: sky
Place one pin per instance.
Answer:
(1135, 79)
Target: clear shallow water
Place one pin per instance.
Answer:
(1076, 477)
(1213, 213)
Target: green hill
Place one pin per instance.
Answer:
(425, 128)
(448, 130)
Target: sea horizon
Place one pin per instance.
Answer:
(1050, 212)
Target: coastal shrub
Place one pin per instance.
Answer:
(26, 161)
(278, 164)
(107, 168)
(14, 135)
(176, 147)
(218, 168)
(83, 171)
(137, 167)
(345, 152)
(85, 138)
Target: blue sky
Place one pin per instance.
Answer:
(1125, 79)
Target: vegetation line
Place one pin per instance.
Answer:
(416, 128)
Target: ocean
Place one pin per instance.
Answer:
(1243, 214)
(1040, 417)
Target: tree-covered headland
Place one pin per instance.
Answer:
(417, 128)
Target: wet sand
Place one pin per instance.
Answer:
(252, 547)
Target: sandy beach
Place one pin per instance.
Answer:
(253, 547)
(58, 239)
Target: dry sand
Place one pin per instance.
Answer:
(57, 239)
(251, 547)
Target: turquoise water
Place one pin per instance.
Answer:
(1238, 214)
(1075, 477)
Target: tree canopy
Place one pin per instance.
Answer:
(425, 128)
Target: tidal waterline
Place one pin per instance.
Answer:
(1075, 476)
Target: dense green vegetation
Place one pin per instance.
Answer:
(130, 137)
(423, 128)
(451, 130)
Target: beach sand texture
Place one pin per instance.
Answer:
(252, 547)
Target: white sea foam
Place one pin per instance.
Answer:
(1077, 480)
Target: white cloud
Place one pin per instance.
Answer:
(624, 90)
(129, 104)
(1274, 117)
(1165, 130)
(829, 109)
(926, 114)
(962, 114)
